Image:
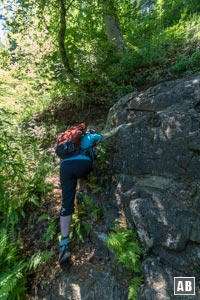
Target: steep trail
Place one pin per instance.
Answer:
(88, 275)
(91, 273)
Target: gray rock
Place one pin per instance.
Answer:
(156, 181)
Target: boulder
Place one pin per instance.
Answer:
(156, 179)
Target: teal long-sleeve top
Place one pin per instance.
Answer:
(90, 139)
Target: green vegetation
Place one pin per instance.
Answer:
(67, 50)
(82, 221)
(24, 167)
(51, 228)
(63, 53)
(127, 251)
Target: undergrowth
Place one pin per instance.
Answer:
(86, 214)
(128, 252)
(24, 167)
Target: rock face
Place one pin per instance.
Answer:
(156, 181)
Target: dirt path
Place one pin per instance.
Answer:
(89, 274)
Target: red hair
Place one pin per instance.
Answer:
(82, 126)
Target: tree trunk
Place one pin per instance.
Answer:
(112, 26)
(61, 39)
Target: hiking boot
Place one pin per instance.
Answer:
(79, 197)
(64, 251)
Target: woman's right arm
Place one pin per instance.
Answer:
(111, 132)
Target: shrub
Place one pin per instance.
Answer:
(24, 168)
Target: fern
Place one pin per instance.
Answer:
(85, 215)
(44, 217)
(12, 280)
(50, 232)
(38, 259)
(3, 241)
(76, 232)
(134, 287)
(12, 283)
(24, 167)
(127, 251)
(51, 228)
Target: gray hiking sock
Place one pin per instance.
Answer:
(65, 222)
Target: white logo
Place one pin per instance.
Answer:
(184, 285)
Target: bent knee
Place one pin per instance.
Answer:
(66, 211)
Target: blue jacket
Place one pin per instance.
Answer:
(90, 139)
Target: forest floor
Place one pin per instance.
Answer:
(88, 275)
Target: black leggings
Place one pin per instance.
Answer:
(70, 171)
